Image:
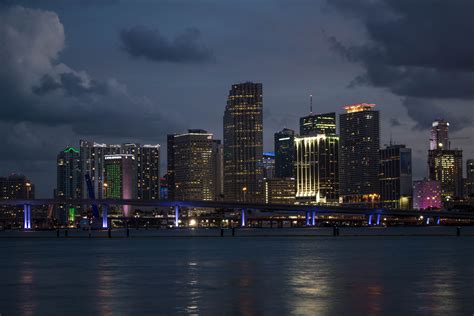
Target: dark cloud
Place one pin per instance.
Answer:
(140, 41)
(394, 122)
(422, 50)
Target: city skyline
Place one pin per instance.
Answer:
(140, 92)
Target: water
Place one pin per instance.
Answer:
(347, 275)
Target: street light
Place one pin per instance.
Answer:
(28, 190)
(244, 189)
(105, 189)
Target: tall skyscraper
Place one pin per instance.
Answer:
(194, 166)
(268, 162)
(171, 169)
(243, 143)
(439, 135)
(359, 154)
(316, 124)
(16, 186)
(445, 166)
(444, 163)
(317, 172)
(148, 169)
(120, 176)
(218, 168)
(68, 174)
(285, 153)
(396, 177)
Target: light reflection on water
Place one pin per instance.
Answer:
(241, 276)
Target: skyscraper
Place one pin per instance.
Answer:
(285, 153)
(218, 168)
(316, 124)
(445, 166)
(469, 178)
(439, 135)
(68, 174)
(243, 143)
(170, 169)
(194, 168)
(359, 154)
(444, 163)
(395, 177)
(268, 162)
(317, 172)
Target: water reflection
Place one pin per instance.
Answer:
(27, 278)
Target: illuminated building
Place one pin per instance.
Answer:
(243, 143)
(280, 191)
(170, 168)
(268, 162)
(445, 166)
(317, 173)
(92, 162)
(426, 195)
(469, 182)
(316, 124)
(194, 166)
(359, 154)
(218, 168)
(285, 153)
(439, 135)
(16, 186)
(68, 184)
(120, 176)
(148, 169)
(395, 177)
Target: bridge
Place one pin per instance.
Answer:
(372, 214)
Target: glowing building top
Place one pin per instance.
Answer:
(359, 107)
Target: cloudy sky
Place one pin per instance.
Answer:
(124, 71)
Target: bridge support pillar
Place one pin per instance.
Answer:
(369, 221)
(26, 216)
(242, 218)
(427, 221)
(378, 219)
(438, 220)
(307, 218)
(105, 209)
(313, 218)
(176, 216)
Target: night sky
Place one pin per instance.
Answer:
(133, 71)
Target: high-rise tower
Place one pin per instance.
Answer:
(439, 135)
(285, 153)
(243, 143)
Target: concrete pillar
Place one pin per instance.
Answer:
(369, 221)
(26, 216)
(176, 216)
(307, 218)
(438, 220)
(427, 222)
(313, 218)
(378, 219)
(105, 223)
(242, 218)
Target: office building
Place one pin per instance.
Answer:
(439, 135)
(243, 143)
(469, 182)
(120, 176)
(170, 166)
(218, 168)
(16, 186)
(396, 177)
(268, 162)
(68, 185)
(280, 191)
(194, 170)
(426, 194)
(317, 124)
(285, 153)
(445, 166)
(317, 172)
(359, 154)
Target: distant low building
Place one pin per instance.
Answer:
(16, 186)
(426, 194)
(280, 191)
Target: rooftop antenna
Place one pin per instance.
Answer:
(310, 104)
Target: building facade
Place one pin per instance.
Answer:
(317, 171)
(194, 170)
(280, 191)
(317, 124)
(243, 143)
(439, 135)
(285, 153)
(120, 177)
(445, 166)
(469, 183)
(359, 154)
(268, 163)
(396, 188)
(426, 194)
(170, 167)
(16, 186)
(68, 185)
